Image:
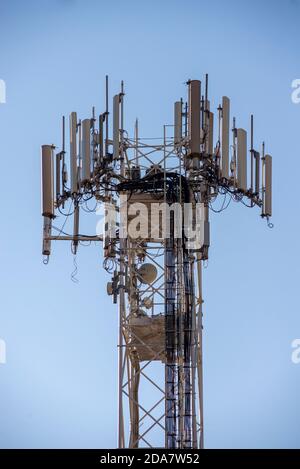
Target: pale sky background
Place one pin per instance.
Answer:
(59, 386)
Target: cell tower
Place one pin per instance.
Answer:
(157, 194)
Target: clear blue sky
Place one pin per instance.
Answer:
(58, 388)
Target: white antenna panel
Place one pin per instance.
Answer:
(225, 136)
(268, 186)
(177, 121)
(58, 175)
(242, 159)
(116, 126)
(73, 152)
(210, 138)
(47, 181)
(257, 172)
(194, 117)
(86, 149)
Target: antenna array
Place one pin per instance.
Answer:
(156, 279)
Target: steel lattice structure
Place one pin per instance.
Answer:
(155, 245)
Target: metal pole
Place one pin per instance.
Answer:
(122, 311)
(193, 357)
(200, 351)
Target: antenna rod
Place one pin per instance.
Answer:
(63, 134)
(106, 116)
(206, 91)
(252, 153)
(136, 137)
(202, 112)
(63, 154)
(185, 119)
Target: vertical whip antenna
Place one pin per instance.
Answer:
(106, 116)
(252, 155)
